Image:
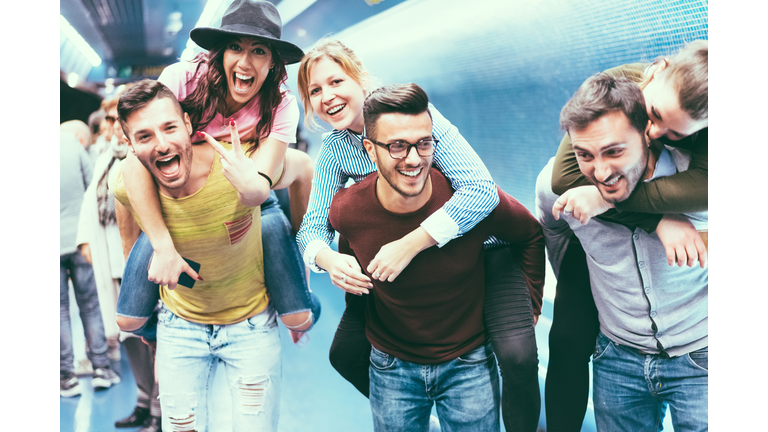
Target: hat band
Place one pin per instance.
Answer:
(248, 30)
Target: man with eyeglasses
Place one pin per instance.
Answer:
(426, 328)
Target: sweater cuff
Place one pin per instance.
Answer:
(441, 227)
(311, 252)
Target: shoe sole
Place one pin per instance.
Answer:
(74, 391)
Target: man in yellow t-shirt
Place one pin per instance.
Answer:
(227, 314)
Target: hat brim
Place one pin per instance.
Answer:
(207, 38)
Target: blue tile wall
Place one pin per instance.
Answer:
(502, 70)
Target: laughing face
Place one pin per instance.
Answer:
(159, 136)
(335, 96)
(246, 64)
(407, 178)
(612, 155)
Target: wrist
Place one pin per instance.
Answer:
(418, 240)
(323, 258)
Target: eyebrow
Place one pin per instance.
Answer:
(393, 141)
(602, 149)
(148, 130)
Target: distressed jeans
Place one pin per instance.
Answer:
(631, 391)
(465, 390)
(187, 355)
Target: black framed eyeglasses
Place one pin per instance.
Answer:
(400, 149)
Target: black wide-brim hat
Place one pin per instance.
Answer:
(249, 18)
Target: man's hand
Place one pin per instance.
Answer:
(240, 170)
(395, 256)
(583, 203)
(166, 266)
(344, 271)
(681, 240)
(85, 251)
(535, 320)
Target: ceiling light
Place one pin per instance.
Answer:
(73, 79)
(79, 42)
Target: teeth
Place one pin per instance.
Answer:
(335, 109)
(612, 182)
(166, 159)
(243, 77)
(411, 173)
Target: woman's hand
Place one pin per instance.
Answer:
(395, 256)
(344, 271)
(583, 203)
(681, 240)
(240, 170)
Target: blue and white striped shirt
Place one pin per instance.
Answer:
(343, 156)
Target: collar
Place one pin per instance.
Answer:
(665, 165)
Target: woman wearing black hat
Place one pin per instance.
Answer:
(238, 81)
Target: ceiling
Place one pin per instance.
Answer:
(137, 38)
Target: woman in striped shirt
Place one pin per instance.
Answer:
(333, 84)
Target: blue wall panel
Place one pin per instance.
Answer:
(502, 70)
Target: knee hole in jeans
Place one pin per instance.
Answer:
(130, 324)
(253, 391)
(180, 410)
(297, 321)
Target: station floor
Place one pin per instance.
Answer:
(314, 396)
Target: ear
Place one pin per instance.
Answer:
(130, 146)
(188, 124)
(662, 64)
(371, 149)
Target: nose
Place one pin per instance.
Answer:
(655, 132)
(162, 145)
(412, 158)
(328, 96)
(602, 171)
(242, 61)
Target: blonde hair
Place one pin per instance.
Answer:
(688, 73)
(334, 50)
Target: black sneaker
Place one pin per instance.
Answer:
(153, 424)
(103, 378)
(69, 384)
(137, 418)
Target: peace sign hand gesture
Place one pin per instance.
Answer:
(240, 170)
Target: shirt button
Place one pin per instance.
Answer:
(641, 264)
(658, 334)
(636, 236)
(653, 314)
(647, 290)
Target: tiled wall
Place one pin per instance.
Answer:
(502, 70)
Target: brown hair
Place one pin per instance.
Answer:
(211, 92)
(602, 94)
(139, 96)
(688, 73)
(394, 98)
(341, 54)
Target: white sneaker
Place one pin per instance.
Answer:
(103, 378)
(434, 424)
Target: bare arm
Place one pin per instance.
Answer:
(129, 229)
(166, 264)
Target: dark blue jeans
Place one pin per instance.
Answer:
(284, 274)
(508, 321)
(73, 266)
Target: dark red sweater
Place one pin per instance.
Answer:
(433, 311)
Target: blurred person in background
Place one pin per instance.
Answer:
(97, 122)
(75, 173)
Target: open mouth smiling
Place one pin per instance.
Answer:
(169, 165)
(242, 83)
(335, 109)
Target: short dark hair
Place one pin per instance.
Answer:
(394, 98)
(139, 96)
(602, 94)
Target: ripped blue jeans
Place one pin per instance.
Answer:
(284, 274)
(187, 356)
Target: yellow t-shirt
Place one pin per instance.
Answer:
(212, 228)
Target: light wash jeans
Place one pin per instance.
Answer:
(187, 355)
(465, 389)
(631, 390)
(284, 274)
(74, 266)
